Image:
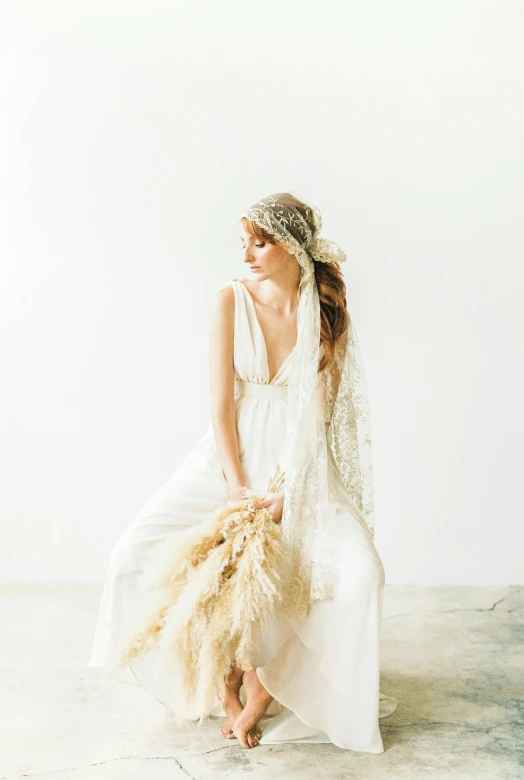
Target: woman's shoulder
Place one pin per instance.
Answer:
(247, 283)
(229, 290)
(233, 279)
(224, 297)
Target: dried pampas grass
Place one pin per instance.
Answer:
(203, 600)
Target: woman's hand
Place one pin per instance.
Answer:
(274, 503)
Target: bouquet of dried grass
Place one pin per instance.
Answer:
(202, 600)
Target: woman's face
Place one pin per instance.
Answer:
(264, 259)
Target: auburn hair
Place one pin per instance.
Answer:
(334, 315)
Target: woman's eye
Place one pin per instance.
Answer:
(259, 245)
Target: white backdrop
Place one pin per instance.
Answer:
(135, 133)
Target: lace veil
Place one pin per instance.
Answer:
(328, 411)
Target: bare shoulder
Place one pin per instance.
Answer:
(223, 302)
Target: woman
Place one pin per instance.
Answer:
(287, 389)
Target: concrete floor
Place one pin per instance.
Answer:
(452, 656)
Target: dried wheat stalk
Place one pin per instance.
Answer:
(200, 600)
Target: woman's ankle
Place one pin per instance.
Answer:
(254, 688)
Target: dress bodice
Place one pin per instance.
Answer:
(250, 353)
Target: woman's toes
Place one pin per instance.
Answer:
(243, 738)
(226, 730)
(253, 738)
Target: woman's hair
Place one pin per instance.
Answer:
(334, 315)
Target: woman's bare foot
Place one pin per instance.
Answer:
(257, 702)
(231, 702)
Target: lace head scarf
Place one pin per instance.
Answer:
(328, 411)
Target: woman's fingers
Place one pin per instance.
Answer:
(267, 505)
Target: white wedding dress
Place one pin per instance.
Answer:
(323, 672)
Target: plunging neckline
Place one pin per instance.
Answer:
(263, 337)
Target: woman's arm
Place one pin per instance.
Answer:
(222, 389)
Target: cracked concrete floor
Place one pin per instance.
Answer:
(452, 656)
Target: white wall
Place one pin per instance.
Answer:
(134, 134)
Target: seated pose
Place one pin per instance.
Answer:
(288, 390)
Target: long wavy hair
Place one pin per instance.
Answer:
(334, 315)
